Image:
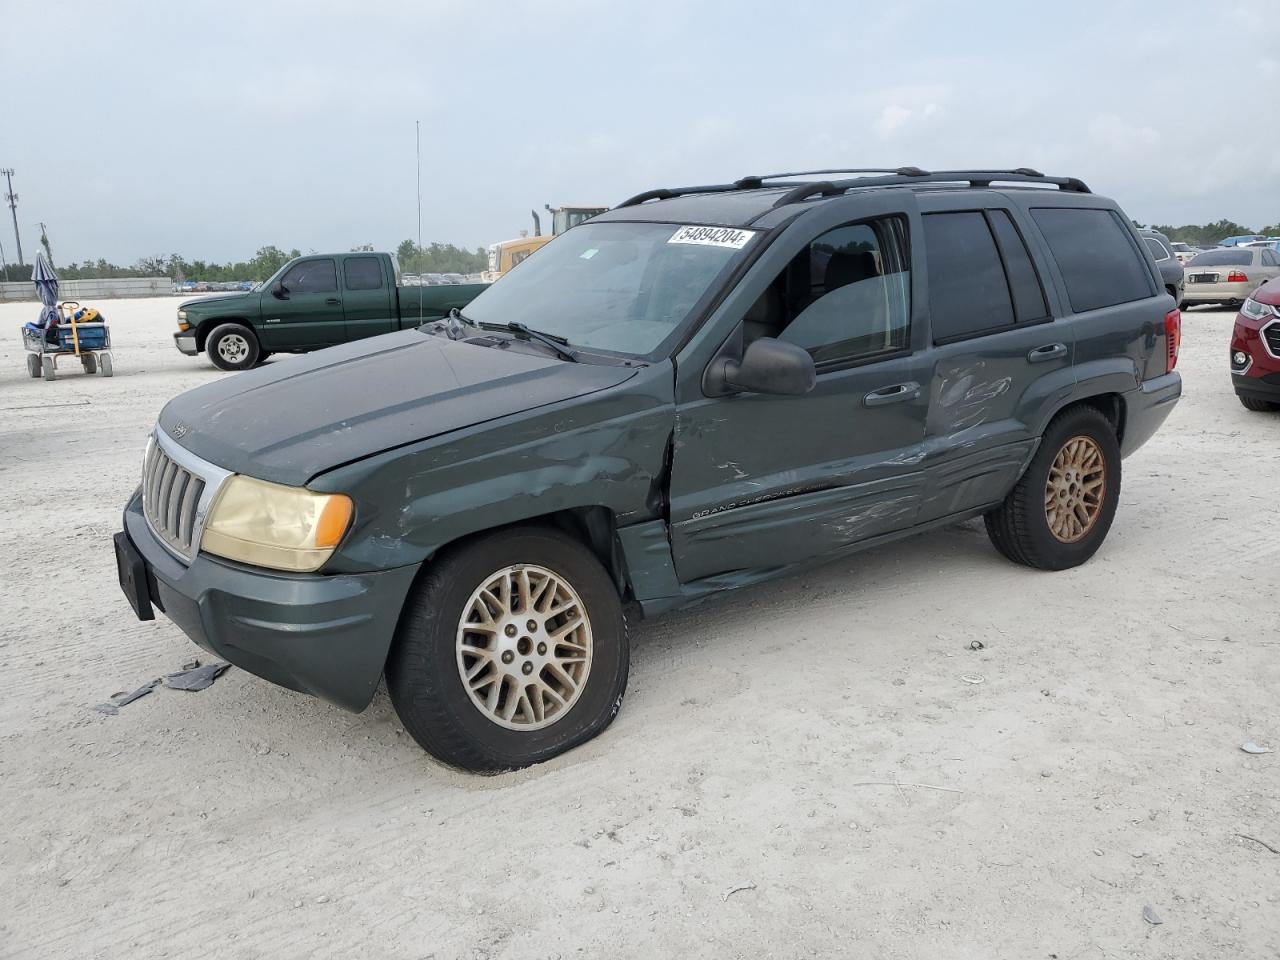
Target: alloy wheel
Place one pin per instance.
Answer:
(524, 647)
(1075, 490)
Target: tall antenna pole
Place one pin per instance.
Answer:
(417, 133)
(417, 137)
(13, 208)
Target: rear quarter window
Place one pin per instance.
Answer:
(1096, 255)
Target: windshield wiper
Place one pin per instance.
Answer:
(559, 344)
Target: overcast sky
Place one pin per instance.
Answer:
(211, 129)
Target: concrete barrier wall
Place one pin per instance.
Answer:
(89, 290)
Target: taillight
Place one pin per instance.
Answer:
(1236, 276)
(1172, 338)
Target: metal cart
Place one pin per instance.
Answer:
(90, 343)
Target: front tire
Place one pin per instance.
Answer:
(511, 650)
(1259, 406)
(1060, 510)
(232, 346)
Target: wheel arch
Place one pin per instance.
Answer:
(595, 527)
(205, 327)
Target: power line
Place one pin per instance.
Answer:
(13, 208)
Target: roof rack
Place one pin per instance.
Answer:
(666, 193)
(974, 178)
(885, 177)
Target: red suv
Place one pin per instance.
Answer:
(1255, 349)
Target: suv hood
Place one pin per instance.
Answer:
(293, 419)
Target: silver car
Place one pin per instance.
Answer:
(1228, 275)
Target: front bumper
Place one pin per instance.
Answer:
(185, 341)
(1147, 408)
(324, 635)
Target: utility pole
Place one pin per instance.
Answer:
(13, 208)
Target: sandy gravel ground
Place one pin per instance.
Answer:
(799, 770)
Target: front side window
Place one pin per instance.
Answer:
(1096, 254)
(362, 273)
(623, 287)
(311, 276)
(844, 298)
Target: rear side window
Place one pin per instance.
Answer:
(1157, 248)
(1269, 259)
(1024, 283)
(362, 273)
(1094, 251)
(968, 293)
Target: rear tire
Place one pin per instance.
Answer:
(232, 346)
(1060, 510)
(104, 365)
(33, 366)
(487, 720)
(1259, 406)
(90, 363)
(46, 366)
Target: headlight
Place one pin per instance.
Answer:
(182, 315)
(1255, 310)
(271, 525)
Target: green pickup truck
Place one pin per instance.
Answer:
(312, 302)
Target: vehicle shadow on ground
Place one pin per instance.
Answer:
(714, 625)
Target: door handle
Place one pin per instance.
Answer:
(1050, 351)
(895, 394)
(333, 301)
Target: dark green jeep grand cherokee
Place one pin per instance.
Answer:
(699, 389)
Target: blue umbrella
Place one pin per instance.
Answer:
(46, 282)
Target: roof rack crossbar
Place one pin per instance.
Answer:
(666, 193)
(975, 178)
(898, 171)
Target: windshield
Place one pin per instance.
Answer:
(1223, 258)
(619, 287)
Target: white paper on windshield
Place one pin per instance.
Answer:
(713, 237)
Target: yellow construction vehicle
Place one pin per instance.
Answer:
(507, 253)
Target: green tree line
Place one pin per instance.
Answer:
(434, 258)
(1211, 233)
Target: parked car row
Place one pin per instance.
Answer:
(437, 279)
(205, 286)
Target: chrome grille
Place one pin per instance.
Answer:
(177, 488)
(1271, 334)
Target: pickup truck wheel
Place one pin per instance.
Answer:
(511, 650)
(232, 346)
(1061, 508)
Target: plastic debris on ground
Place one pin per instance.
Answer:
(195, 678)
(1151, 916)
(192, 677)
(118, 700)
(1252, 747)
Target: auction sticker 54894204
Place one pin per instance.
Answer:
(713, 236)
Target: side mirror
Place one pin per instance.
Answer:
(769, 366)
(279, 290)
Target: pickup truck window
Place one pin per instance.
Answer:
(848, 293)
(1097, 257)
(311, 276)
(620, 287)
(362, 273)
